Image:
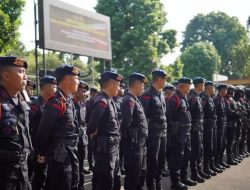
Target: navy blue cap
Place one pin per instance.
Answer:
(159, 73)
(13, 61)
(83, 84)
(185, 80)
(221, 86)
(93, 90)
(48, 79)
(138, 76)
(198, 80)
(169, 87)
(31, 84)
(209, 83)
(111, 75)
(66, 69)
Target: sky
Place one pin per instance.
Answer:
(179, 13)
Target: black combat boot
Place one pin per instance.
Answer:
(187, 181)
(158, 185)
(176, 184)
(207, 169)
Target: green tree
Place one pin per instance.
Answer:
(10, 14)
(227, 35)
(174, 70)
(138, 37)
(200, 59)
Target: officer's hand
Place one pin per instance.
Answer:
(41, 159)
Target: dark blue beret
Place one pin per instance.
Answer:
(169, 87)
(93, 90)
(13, 61)
(111, 75)
(240, 88)
(247, 91)
(185, 80)
(221, 86)
(159, 73)
(230, 88)
(31, 84)
(138, 76)
(66, 69)
(209, 83)
(198, 80)
(48, 79)
(175, 82)
(83, 84)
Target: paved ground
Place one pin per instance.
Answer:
(234, 178)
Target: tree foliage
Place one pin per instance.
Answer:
(10, 14)
(138, 38)
(175, 70)
(200, 59)
(227, 35)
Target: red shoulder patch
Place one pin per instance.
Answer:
(34, 107)
(102, 105)
(146, 97)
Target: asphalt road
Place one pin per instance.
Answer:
(233, 178)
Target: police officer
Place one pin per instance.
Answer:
(89, 106)
(48, 86)
(247, 93)
(154, 105)
(104, 127)
(221, 126)
(210, 130)
(58, 132)
(30, 87)
(197, 115)
(134, 130)
(169, 90)
(232, 117)
(179, 119)
(15, 143)
(79, 99)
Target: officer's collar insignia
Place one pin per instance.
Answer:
(19, 62)
(75, 70)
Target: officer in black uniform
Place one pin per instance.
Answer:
(15, 142)
(197, 115)
(154, 105)
(48, 86)
(134, 131)
(89, 106)
(179, 119)
(30, 87)
(104, 127)
(221, 126)
(210, 129)
(247, 94)
(79, 99)
(232, 116)
(58, 132)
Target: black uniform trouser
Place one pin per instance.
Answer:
(221, 141)
(237, 138)
(134, 164)
(81, 156)
(91, 145)
(63, 168)
(208, 141)
(231, 133)
(156, 157)
(180, 149)
(196, 150)
(14, 176)
(248, 139)
(243, 140)
(40, 175)
(106, 170)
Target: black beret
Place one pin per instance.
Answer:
(169, 87)
(111, 75)
(230, 88)
(185, 80)
(48, 79)
(83, 84)
(221, 86)
(138, 76)
(240, 88)
(247, 91)
(31, 84)
(198, 80)
(175, 82)
(13, 61)
(159, 73)
(93, 90)
(209, 83)
(66, 69)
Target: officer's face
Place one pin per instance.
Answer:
(162, 82)
(115, 86)
(51, 89)
(15, 78)
(223, 92)
(81, 93)
(140, 87)
(73, 83)
(29, 90)
(186, 88)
